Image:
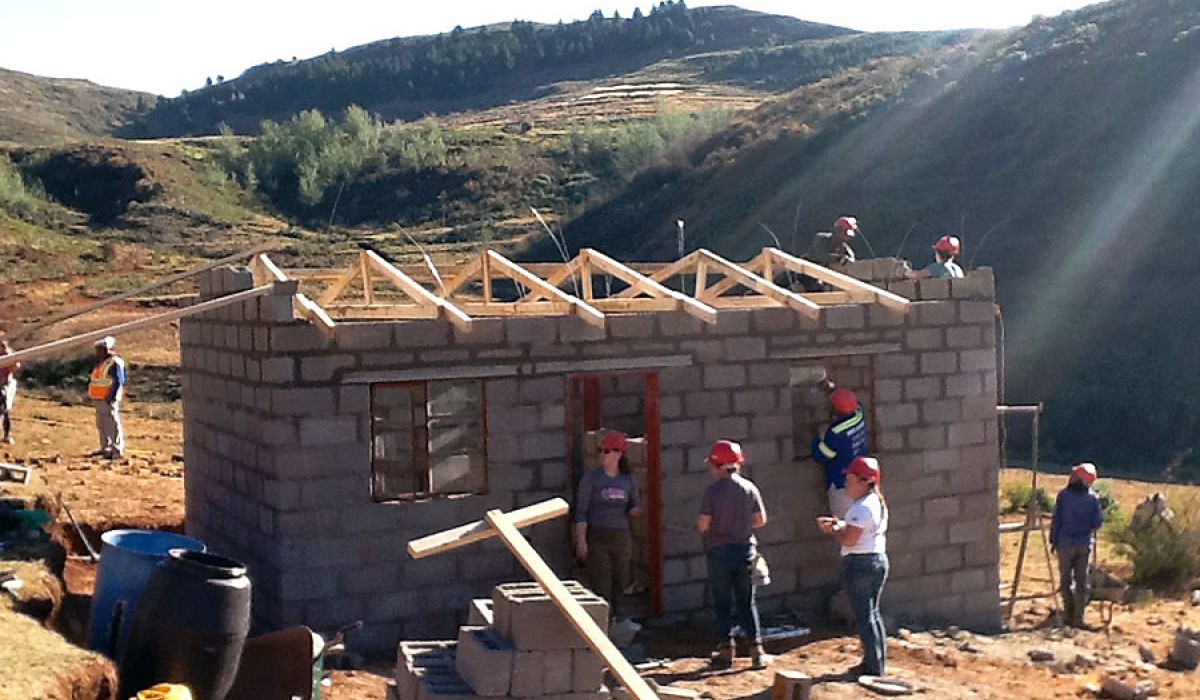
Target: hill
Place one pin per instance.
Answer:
(36, 110)
(1063, 153)
(469, 69)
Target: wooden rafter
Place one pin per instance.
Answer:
(649, 286)
(841, 281)
(265, 271)
(418, 293)
(588, 313)
(758, 284)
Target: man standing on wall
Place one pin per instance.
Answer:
(106, 389)
(830, 249)
(845, 439)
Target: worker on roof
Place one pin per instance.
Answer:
(606, 498)
(106, 389)
(1078, 514)
(945, 250)
(829, 249)
(845, 439)
(862, 533)
(730, 511)
(8, 391)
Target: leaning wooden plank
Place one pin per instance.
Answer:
(86, 338)
(839, 280)
(480, 530)
(646, 285)
(269, 269)
(764, 287)
(419, 294)
(588, 313)
(312, 311)
(578, 617)
(20, 332)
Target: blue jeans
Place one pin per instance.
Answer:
(732, 589)
(863, 576)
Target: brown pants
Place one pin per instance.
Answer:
(609, 552)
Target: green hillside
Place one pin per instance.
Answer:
(1064, 154)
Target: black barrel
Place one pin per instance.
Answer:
(189, 626)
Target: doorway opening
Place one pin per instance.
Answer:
(629, 402)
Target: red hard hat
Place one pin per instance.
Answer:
(866, 468)
(1086, 471)
(844, 402)
(848, 224)
(726, 452)
(615, 440)
(947, 244)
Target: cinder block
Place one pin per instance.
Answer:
(526, 615)
(977, 311)
(558, 677)
(587, 671)
(485, 660)
(415, 659)
(724, 376)
(528, 673)
(444, 685)
(480, 612)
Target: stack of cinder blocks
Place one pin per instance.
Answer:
(527, 649)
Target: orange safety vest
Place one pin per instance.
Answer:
(101, 382)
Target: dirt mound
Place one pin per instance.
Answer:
(97, 180)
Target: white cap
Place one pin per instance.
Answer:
(107, 342)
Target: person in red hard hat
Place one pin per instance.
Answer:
(605, 500)
(845, 439)
(730, 511)
(945, 250)
(1078, 514)
(829, 249)
(862, 533)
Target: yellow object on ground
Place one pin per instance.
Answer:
(166, 691)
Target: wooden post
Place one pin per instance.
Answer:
(791, 685)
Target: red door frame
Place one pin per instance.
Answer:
(592, 416)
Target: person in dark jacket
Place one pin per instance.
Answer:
(1078, 514)
(845, 439)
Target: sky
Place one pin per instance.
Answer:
(165, 46)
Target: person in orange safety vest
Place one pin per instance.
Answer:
(106, 389)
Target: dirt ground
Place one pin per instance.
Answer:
(146, 490)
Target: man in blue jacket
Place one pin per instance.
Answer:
(1078, 514)
(845, 439)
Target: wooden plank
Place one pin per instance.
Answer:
(760, 285)
(480, 530)
(588, 313)
(393, 311)
(57, 346)
(753, 264)
(585, 275)
(269, 270)
(419, 294)
(339, 285)
(747, 302)
(365, 273)
(556, 279)
(639, 305)
(465, 274)
(309, 309)
(516, 308)
(646, 285)
(839, 280)
(666, 272)
(26, 330)
(578, 617)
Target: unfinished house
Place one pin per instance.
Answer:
(329, 422)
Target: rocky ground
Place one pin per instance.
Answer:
(1035, 658)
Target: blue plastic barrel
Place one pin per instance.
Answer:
(126, 562)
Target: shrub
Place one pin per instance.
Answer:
(1165, 556)
(1017, 494)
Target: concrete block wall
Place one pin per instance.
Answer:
(277, 446)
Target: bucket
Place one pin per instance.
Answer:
(190, 626)
(126, 562)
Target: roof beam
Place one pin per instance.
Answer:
(588, 313)
(335, 288)
(841, 281)
(419, 294)
(764, 287)
(647, 285)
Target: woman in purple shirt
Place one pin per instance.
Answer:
(606, 498)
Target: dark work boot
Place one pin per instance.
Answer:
(722, 656)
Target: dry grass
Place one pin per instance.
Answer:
(40, 665)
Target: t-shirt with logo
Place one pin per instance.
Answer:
(604, 501)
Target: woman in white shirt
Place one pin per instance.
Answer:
(863, 536)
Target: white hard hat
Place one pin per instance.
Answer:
(107, 342)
